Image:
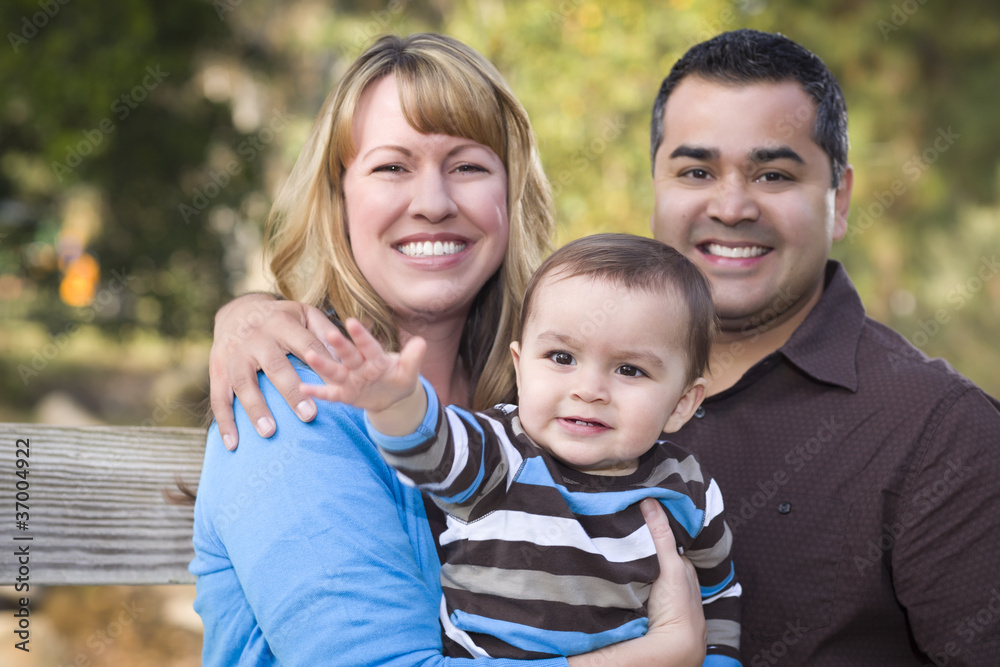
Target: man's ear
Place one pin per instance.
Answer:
(686, 407)
(842, 203)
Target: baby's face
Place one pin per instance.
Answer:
(601, 372)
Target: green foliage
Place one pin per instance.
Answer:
(99, 130)
(919, 78)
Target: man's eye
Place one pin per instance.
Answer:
(630, 371)
(772, 177)
(561, 358)
(696, 173)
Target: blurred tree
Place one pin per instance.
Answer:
(174, 187)
(104, 129)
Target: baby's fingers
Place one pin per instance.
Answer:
(369, 348)
(331, 371)
(411, 356)
(323, 392)
(345, 349)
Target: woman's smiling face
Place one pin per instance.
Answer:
(426, 213)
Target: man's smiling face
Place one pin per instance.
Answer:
(744, 191)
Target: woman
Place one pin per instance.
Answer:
(418, 206)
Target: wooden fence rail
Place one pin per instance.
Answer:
(88, 504)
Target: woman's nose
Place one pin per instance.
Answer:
(431, 197)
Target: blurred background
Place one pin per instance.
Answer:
(142, 142)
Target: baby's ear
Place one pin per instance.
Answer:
(515, 353)
(686, 406)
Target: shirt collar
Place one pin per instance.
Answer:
(825, 345)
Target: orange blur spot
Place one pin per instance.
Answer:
(79, 284)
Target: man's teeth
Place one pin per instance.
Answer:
(740, 252)
(430, 249)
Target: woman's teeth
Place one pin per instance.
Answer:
(430, 249)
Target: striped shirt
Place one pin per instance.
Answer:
(541, 559)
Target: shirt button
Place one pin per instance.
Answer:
(700, 412)
(784, 508)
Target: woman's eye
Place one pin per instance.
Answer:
(630, 371)
(469, 168)
(391, 168)
(561, 358)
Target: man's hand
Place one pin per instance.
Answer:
(255, 332)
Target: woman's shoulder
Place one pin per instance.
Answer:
(334, 412)
(332, 448)
(333, 423)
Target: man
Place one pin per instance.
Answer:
(860, 477)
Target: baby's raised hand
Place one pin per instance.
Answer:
(367, 376)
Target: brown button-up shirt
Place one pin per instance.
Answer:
(862, 483)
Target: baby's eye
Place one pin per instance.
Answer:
(561, 358)
(630, 371)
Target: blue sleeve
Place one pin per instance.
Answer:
(308, 550)
(399, 443)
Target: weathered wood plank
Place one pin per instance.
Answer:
(95, 503)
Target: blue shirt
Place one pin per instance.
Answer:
(309, 551)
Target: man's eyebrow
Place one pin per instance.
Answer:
(695, 153)
(758, 155)
(762, 155)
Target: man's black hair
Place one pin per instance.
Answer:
(744, 57)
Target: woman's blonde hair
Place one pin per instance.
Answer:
(445, 87)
